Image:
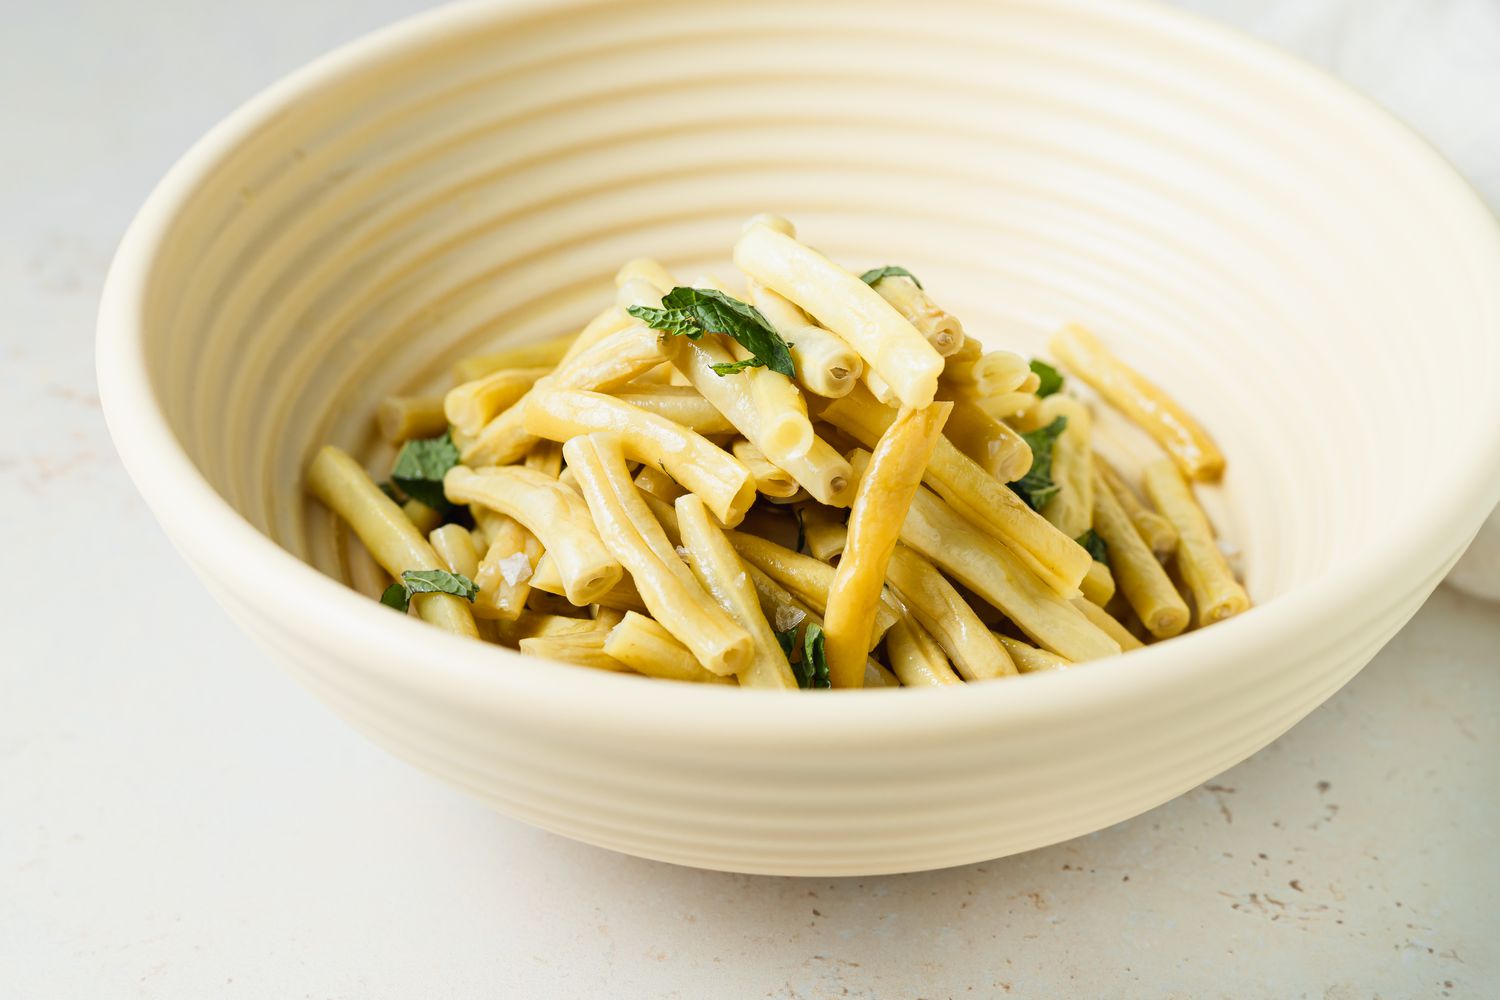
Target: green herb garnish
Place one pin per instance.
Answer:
(874, 274)
(1051, 378)
(427, 581)
(420, 468)
(1037, 486)
(1091, 541)
(730, 367)
(814, 663)
(692, 312)
(811, 667)
(787, 638)
(392, 494)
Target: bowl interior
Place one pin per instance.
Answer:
(1254, 247)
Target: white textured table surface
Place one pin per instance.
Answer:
(153, 844)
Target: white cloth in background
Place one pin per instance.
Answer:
(1436, 64)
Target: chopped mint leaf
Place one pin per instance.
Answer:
(730, 367)
(811, 667)
(1037, 486)
(395, 596)
(675, 322)
(874, 274)
(692, 312)
(420, 467)
(814, 663)
(427, 581)
(1091, 541)
(1051, 378)
(439, 581)
(787, 637)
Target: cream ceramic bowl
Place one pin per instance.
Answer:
(1302, 271)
